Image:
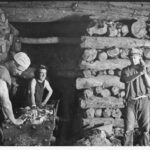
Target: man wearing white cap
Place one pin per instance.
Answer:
(14, 67)
(137, 82)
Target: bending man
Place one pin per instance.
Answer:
(14, 67)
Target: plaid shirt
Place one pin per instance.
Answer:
(135, 84)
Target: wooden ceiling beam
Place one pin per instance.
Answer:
(53, 11)
(50, 40)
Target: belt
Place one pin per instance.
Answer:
(142, 96)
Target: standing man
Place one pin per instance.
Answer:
(38, 85)
(14, 67)
(137, 82)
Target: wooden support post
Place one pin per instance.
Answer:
(101, 102)
(95, 121)
(98, 112)
(90, 113)
(113, 52)
(115, 90)
(107, 112)
(108, 42)
(87, 73)
(103, 80)
(98, 90)
(122, 94)
(89, 55)
(88, 93)
(102, 56)
(105, 93)
(50, 11)
(50, 40)
(110, 72)
(107, 64)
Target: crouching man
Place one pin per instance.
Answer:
(37, 87)
(14, 67)
(137, 82)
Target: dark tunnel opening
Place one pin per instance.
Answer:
(58, 58)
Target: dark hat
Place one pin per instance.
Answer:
(42, 67)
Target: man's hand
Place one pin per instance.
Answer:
(147, 77)
(34, 113)
(18, 121)
(43, 104)
(143, 65)
(6, 104)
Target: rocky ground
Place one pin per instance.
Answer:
(97, 137)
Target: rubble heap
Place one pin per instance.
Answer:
(41, 116)
(36, 130)
(98, 138)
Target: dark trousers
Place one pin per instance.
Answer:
(2, 118)
(139, 110)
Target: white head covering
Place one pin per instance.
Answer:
(22, 60)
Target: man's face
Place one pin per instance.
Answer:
(14, 69)
(135, 59)
(17, 69)
(42, 74)
(18, 72)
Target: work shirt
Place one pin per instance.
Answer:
(39, 90)
(4, 75)
(135, 84)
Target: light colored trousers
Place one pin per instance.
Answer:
(139, 110)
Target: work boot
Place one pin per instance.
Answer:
(144, 139)
(128, 138)
(1, 137)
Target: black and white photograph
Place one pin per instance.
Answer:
(74, 73)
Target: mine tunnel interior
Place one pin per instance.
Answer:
(59, 58)
(86, 47)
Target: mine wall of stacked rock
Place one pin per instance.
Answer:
(105, 53)
(9, 41)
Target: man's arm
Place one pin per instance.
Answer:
(147, 78)
(50, 91)
(131, 78)
(144, 72)
(6, 103)
(33, 84)
(128, 78)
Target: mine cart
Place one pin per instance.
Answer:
(35, 131)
